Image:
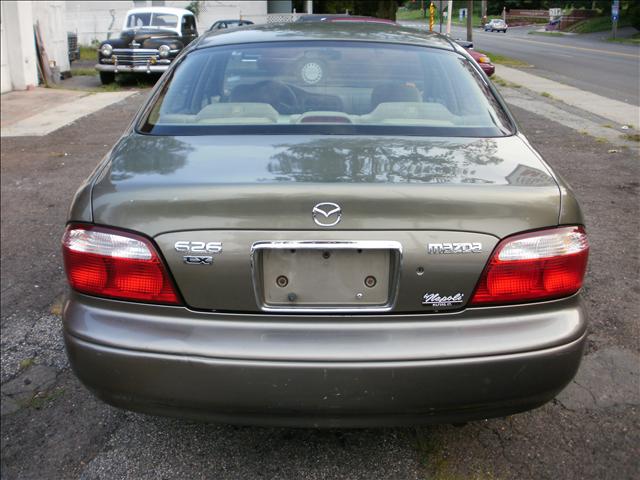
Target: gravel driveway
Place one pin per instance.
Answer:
(53, 428)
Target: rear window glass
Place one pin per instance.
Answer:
(325, 87)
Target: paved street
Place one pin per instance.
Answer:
(53, 428)
(583, 61)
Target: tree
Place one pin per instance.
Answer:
(369, 8)
(194, 7)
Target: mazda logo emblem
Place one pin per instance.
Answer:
(326, 214)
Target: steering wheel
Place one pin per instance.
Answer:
(280, 95)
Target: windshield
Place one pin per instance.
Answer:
(283, 87)
(151, 19)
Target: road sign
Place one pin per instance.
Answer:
(615, 14)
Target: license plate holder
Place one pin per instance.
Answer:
(326, 276)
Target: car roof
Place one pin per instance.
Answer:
(169, 10)
(345, 31)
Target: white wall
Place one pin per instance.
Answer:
(51, 17)
(19, 61)
(93, 20)
(5, 84)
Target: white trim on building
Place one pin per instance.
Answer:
(18, 53)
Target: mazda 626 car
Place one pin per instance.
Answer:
(325, 224)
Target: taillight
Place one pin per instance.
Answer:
(534, 266)
(115, 264)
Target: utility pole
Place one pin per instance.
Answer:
(469, 20)
(440, 3)
(449, 14)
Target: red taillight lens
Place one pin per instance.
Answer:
(110, 263)
(534, 266)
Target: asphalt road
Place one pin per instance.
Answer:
(53, 428)
(582, 61)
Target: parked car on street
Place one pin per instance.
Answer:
(496, 25)
(290, 233)
(150, 40)
(222, 24)
(483, 60)
(553, 25)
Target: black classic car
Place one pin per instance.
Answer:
(150, 39)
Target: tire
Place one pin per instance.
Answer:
(107, 77)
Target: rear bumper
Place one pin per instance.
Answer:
(317, 380)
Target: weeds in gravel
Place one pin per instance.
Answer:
(110, 87)
(546, 95)
(84, 72)
(504, 83)
(632, 137)
(41, 399)
(26, 363)
(435, 459)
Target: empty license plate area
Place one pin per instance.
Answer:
(321, 276)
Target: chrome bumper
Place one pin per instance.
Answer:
(325, 371)
(131, 68)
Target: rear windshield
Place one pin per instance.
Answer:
(325, 87)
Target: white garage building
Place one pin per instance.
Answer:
(94, 21)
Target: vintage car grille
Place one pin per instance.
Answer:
(138, 56)
(72, 41)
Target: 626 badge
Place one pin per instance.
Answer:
(198, 247)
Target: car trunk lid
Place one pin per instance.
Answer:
(220, 197)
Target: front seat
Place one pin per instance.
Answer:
(275, 93)
(394, 92)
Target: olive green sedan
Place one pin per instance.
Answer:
(321, 224)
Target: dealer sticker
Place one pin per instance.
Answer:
(437, 300)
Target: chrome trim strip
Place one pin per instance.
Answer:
(134, 51)
(394, 271)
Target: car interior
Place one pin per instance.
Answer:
(305, 85)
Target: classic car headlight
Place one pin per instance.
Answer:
(163, 50)
(106, 50)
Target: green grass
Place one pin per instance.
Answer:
(88, 53)
(546, 95)
(633, 40)
(83, 72)
(548, 34)
(597, 24)
(504, 83)
(404, 14)
(504, 60)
